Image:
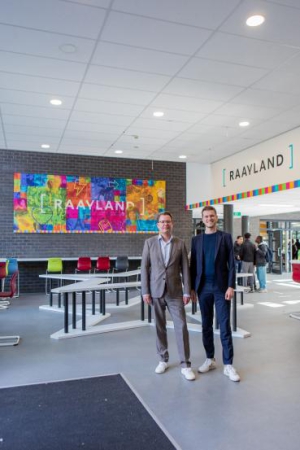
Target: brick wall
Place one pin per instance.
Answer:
(67, 245)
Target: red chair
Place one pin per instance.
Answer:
(102, 264)
(296, 272)
(10, 340)
(84, 264)
(3, 273)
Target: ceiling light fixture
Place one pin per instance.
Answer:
(55, 102)
(118, 151)
(182, 156)
(68, 48)
(244, 124)
(158, 114)
(255, 21)
(45, 146)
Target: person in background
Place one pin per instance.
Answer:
(247, 255)
(165, 279)
(237, 258)
(260, 257)
(294, 250)
(213, 280)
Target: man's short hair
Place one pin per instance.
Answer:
(247, 235)
(209, 208)
(239, 237)
(165, 213)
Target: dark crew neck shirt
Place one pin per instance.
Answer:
(209, 246)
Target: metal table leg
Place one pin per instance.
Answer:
(83, 311)
(74, 310)
(66, 318)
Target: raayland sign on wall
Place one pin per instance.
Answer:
(46, 203)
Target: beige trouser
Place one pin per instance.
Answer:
(177, 312)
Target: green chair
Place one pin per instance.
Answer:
(55, 265)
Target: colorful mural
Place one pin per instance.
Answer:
(46, 203)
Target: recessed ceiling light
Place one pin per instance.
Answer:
(255, 21)
(244, 124)
(118, 151)
(182, 156)
(68, 48)
(45, 146)
(55, 102)
(158, 114)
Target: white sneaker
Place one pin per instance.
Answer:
(162, 367)
(188, 373)
(230, 372)
(263, 290)
(209, 364)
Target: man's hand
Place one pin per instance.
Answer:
(186, 299)
(147, 299)
(229, 293)
(193, 296)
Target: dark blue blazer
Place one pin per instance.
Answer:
(224, 262)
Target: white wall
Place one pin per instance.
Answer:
(198, 182)
(281, 147)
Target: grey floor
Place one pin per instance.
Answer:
(262, 411)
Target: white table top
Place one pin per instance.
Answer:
(89, 276)
(94, 285)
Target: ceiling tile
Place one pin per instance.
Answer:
(280, 81)
(132, 58)
(28, 145)
(198, 13)
(90, 135)
(51, 140)
(54, 16)
(153, 34)
(95, 127)
(126, 78)
(282, 24)
(158, 124)
(42, 123)
(202, 89)
(92, 106)
(34, 111)
(98, 3)
(31, 83)
(243, 111)
(44, 132)
(221, 72)
(42, 67)
(40, 43)
(114, 94)
(174, 115)
(265, 98)
(247, 51)
(220, 120)
(105, 118)
(149, 132)
(33, 99)
(186, 103)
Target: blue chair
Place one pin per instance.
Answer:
(12, 267)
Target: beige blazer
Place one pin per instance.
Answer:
(156, 278)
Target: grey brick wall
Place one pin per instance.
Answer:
(67, 245)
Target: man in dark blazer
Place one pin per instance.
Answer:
(164, 270)
(213, 279)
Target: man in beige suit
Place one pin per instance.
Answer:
(164, 269)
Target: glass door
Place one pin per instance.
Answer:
(275, 244)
